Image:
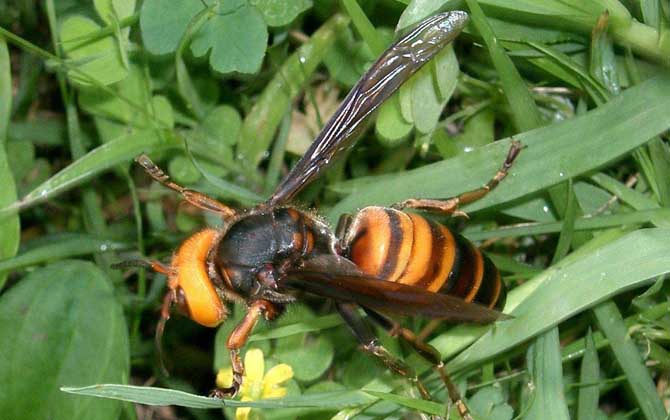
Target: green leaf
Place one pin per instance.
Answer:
(418, 10)
(281, 12)
(114, 10)
(347, 59)
(157, 111)
(489, 403)
(657, 217)
(552, 155)
(364, 27)
(309, 356)
(61, 325)
(581, 280)
(546, 370)
(99, 58)
(477, 131)
(10, 229)
(235, 36)
(221, 126)
(163, 23)
(390, 125)
(427, 101)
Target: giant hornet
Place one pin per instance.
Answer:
(379, 260)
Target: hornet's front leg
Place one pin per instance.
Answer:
(196, 198)
(238, 338)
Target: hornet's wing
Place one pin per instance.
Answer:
(402, 59)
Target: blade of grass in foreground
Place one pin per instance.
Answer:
(588, 394)
(546, 370)
(161, 396)
(544, 354)
(552, 155)
(626, 353)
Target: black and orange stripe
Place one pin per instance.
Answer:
(410, 249)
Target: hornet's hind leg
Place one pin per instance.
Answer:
(426, 351)
(450, 206)
(366, 336)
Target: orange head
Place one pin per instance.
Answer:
(190, 284)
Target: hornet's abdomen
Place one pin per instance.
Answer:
(410, 249)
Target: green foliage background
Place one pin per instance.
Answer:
(226, 94)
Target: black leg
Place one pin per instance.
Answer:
(366, 336)
(426, 351)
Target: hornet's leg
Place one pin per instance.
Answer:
(450, 206)
(238, 338)
(168, 300)
(196, 198)
(343, 225)
(426, 351)
(365, 335)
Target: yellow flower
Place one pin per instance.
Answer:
(256, 385)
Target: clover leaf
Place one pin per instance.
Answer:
(233, 32)
(235, 36)
(96, 59)
(163, 23)
(281, 12)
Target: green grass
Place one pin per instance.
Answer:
(580, 228)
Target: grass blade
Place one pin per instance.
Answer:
(162, 396)
(524, 111)
(63, 246)
(9, 228)
(106, 156)
(546, 370)
(626, 353)
(587, 402)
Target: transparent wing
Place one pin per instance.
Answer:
(394, 67)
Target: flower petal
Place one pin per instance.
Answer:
(278, 374)
(242, 413)
(254, 365)
(224, 378)
(277, 392)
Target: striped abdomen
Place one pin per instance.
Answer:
(410, 249)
